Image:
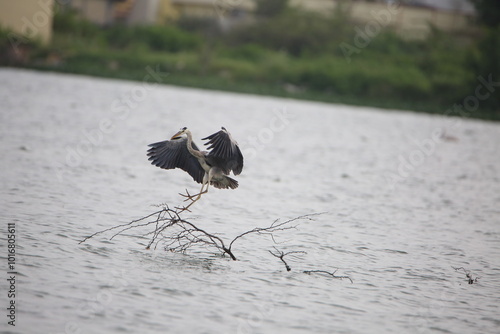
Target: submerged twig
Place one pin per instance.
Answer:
(468, 274)
(280, 255)
(327, 273)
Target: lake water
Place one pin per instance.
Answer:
(404, 198)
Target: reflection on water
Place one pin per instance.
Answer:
(402, 206)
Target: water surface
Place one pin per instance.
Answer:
(404, 198)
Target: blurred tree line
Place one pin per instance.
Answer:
(290, 52)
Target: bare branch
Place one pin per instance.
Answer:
(280, 255)
(178, 234)
(324, 272)
(122, 225)
(274, 227)
(468, 274)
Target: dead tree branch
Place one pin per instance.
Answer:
(274, 227)
(324, 272)
(468, 274)
(280, 255)
(179, 235)
(126, 226)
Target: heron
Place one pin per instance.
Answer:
(207, 168)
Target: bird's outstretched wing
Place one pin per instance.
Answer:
(170, 154)
(225, 152)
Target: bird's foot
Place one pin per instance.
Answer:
(187, 195)
(186, 208)
(193, 198)
(183, 208)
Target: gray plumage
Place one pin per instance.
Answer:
(225, 152)
(170, 154)
(204, 167)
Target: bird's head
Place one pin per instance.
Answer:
(180, 133)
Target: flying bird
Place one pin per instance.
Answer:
(207, 168)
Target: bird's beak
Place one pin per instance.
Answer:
(177, 135)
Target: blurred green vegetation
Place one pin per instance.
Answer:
(287, 53)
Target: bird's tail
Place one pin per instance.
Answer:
(225, 183)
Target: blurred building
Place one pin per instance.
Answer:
(27, 19)
(97, 11)
(461, 6)
(106, 12)
(410, 18)
(214, 8)
(109, 12)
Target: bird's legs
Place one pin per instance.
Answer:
(192, 197)
(207, 178)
